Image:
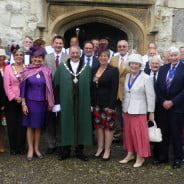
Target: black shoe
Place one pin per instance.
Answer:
(63, 157)
(13, 152)
(157, 162)
(82, 157)
(106, 159)
(100, 155)
(29, 158)
(50, 151)
(40, 156)
(177, 164)
(21, 152)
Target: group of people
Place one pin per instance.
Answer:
(72, 91)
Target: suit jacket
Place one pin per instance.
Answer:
(106, 92)
(114, 61)
(147, 69)
(3, 98)
(95, 62)
(176, 90)
(140, 99)
(50, 61)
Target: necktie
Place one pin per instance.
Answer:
(121, 61)
(154, 76)
(170, 77)
(88, 61)
(57, 61)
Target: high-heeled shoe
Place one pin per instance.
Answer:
(39, 156)
(139, 164)
(99, 155)
(126, 160)
(29, 158)
(108, 158)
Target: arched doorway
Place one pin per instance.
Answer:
(96, 30)
(61, 21)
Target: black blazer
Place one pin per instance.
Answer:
(105, 94)
(176, 90)
(95, 62)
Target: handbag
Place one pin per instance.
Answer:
(154, 132)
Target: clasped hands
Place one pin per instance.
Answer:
(167, 104)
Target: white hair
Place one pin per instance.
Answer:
(173, 49)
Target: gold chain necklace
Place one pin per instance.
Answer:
(75, 80)
(15, 72)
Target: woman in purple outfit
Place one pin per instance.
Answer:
(37, 98)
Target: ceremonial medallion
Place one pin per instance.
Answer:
(38, 76)
(75, 80)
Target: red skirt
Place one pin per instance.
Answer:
(103, 119)
(135, 135)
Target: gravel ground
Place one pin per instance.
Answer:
(17, 170)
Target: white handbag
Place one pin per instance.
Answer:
(155, 134)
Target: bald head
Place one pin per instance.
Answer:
(74, 53)
(155, 63)
(122, 47)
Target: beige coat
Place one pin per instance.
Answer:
(140, 99)
(114, 61)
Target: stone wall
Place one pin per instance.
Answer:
(25, 17)
(19, 18)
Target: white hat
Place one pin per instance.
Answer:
(173, 49)
(137, 58)
(3, 53)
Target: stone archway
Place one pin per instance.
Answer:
(96, 30)
(60, 22)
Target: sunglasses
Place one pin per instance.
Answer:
(122, 46)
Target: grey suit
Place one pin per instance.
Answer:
(53, 134)
(50, 61)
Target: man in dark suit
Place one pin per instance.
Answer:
(170, 94)
(88, 57)
(155, 64)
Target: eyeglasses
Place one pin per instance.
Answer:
(122, 46)
(88, 48)
(18, 54)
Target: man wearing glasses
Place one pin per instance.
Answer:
(88, 57)
(119, 61)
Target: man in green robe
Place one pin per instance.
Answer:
(72, 83)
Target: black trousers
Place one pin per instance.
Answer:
(16, 132)
(171, 124)
(53, 130)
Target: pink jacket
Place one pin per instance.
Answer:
(11, 84)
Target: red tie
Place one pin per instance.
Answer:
(57, 61)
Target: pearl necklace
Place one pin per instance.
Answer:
(75, 80)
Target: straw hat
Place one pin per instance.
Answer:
(3, 53)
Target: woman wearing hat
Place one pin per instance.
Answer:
(139, 99)
(37, 99)
(3, 99)
(16, 132)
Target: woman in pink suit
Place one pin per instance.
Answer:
(139, 99)
(13, 110)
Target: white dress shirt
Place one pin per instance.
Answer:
(74, 65)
